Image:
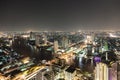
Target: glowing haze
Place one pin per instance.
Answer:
(66, 15)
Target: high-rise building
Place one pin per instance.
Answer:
(32, 38)
(89, 49)
(65, 42)
(45, 39)
(113, 72)
(70, 73)
(37, 39)
(103, 72)
(32, 35)
(55, 46)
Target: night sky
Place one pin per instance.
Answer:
(65, 15)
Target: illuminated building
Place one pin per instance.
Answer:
(113, 72)
(80, 60)
(37, 41)
(103, 72)
(45, 39)
(55, 46)
(106, 54)
(70, 73)
(32, 38)
(65, 42)
(32, 35)
(60, 75)
(89, 39)
(97, 59)
(89, 49)
(36, 73)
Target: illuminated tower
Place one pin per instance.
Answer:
(32, 35)
(45, 39)
(37, 39)
(106, 54)
(101, 72)
(55, 46)
(65, 42)
(89, 49)
(113, 71)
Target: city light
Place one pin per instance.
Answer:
(96, 57)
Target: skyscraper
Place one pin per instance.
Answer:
(89, 49)
(37, 40)
(32, 35)
(65, 42)
(101, 72)
(55, 46)
(113, 72)
(104, 72)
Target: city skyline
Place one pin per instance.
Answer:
(60, 55)
(59, 15)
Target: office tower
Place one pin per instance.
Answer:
(10, 42)
(97, 59)
(113, 71)
(32, 35)
(37, 40)
(70, 72)
(45, 39)
(55, 46)
(89, 49)
(65, 42)
(81, 60)
(93, 36)
(106, 54)
(89, 39)
(101, 72)
(32, 38)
